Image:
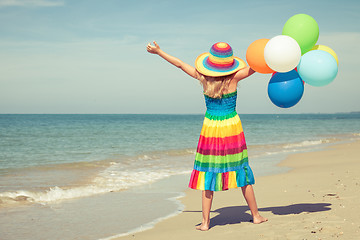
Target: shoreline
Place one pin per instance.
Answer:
(314, 199)
(160, 202)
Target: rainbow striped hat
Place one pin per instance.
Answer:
(219, 61)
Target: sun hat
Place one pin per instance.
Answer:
(219, 61)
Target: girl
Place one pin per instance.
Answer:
(221, 158)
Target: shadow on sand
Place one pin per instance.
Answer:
(237, 214)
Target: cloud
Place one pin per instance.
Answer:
(31, 3)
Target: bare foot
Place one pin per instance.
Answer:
(203, 226)
(259, 219)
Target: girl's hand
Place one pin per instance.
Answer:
(153, 49)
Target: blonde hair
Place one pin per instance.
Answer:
(215, 87)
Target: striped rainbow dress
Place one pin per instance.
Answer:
(221, 160)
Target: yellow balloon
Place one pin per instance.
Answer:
(326, 49)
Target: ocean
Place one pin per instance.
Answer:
(101, 176)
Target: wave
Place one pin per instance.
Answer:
(167, 153)
(53, 194)
(257, 151)
(107, 181)
(307, 143)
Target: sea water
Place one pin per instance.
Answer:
(61, 166)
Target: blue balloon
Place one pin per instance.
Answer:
(285, 89)
(317, 68)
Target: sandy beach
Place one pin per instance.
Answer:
(317, 199)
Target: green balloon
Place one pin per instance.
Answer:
(304, 29)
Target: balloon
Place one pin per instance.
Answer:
(294, 69)
(282, 53)
(255, 56)
(317, 68)
(304, 29)
(326, 49)
(285, 89)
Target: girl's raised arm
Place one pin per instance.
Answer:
(190, 70)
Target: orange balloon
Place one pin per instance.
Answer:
(255, 56)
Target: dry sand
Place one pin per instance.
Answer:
(317, 199)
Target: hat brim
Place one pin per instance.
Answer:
(205, 69)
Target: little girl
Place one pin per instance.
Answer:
(221, 160)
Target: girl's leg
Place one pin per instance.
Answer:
(249, 196)
(207, 197)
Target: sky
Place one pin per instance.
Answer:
(89, 56)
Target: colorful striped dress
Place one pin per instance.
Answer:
(221, 160)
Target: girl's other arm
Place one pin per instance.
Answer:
(190, 70)
(243, 73)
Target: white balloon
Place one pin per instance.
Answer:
(282, 53)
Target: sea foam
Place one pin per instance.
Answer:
(107, 181)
